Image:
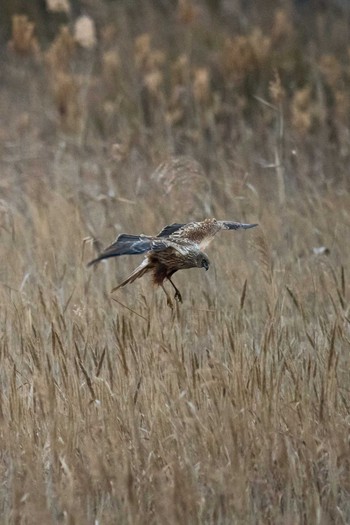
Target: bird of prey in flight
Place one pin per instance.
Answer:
(176, 247)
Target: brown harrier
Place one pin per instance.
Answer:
(176, 247)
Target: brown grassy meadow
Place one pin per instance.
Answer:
(234, 408)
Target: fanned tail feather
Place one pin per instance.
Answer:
(141, 270)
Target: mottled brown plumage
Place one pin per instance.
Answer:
(176, 247)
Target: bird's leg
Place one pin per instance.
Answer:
(177, 295)
(168, 298)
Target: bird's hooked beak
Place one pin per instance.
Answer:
(237, 225)
(205, 265)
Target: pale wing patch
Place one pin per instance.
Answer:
(197, 232)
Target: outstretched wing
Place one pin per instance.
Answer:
(131, 245)
(175, 235)
(199, 233)
(202, 233)
(171, 228)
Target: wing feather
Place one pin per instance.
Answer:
(131, 245)
(171, 228)
(178, 236)
(200, 233)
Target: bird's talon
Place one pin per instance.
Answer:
(178, 297)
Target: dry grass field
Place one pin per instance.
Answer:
(234, 408)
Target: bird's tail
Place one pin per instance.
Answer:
(143, 268)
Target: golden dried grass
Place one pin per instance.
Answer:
(23, 39)
(235, 407)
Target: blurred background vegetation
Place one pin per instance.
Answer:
(219, 80)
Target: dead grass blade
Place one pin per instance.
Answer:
(130, 309)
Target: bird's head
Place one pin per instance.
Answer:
(203, 261)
